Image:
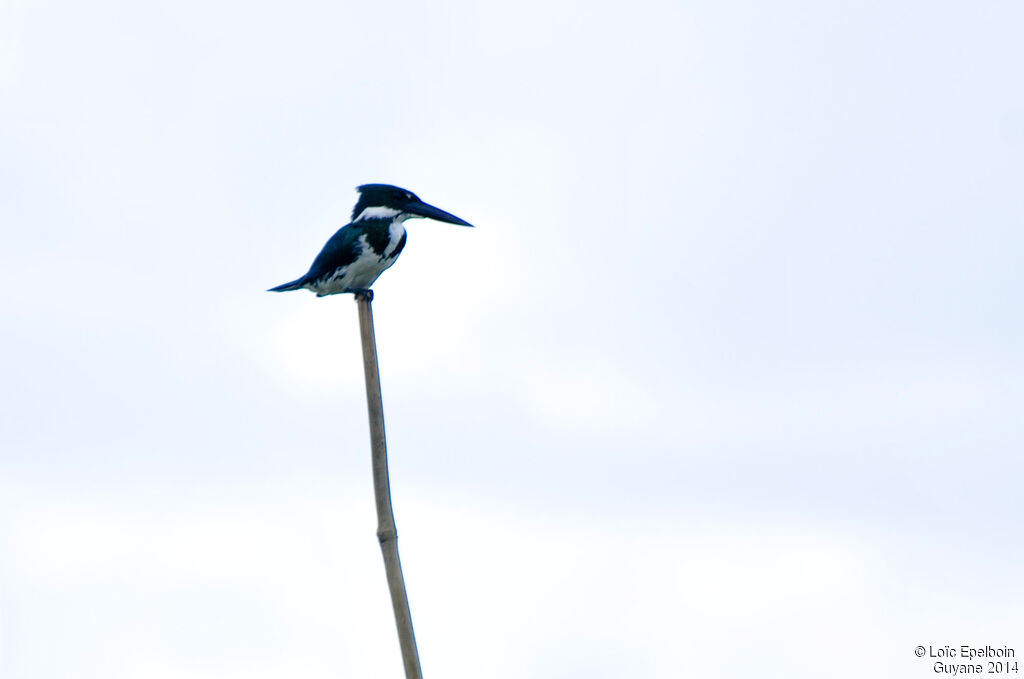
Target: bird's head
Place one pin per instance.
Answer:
(383, 201)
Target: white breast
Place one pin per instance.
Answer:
(395, 232)
(368, 266)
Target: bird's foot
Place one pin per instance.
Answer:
(363, 293)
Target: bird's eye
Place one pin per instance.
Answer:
(408, 196)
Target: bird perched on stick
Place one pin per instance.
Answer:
(360, 251)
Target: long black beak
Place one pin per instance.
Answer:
(422, 209)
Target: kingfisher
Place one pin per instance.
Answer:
(355, 256)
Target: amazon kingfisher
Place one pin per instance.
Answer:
(360, 251)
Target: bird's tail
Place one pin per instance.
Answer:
(297, 284)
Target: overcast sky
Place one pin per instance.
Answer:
(727, 382)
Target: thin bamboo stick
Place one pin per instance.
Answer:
(386, 532)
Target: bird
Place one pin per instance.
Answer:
(359, 252)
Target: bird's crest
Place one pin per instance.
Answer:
(382, 195)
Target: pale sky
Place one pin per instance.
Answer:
(727, 382)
